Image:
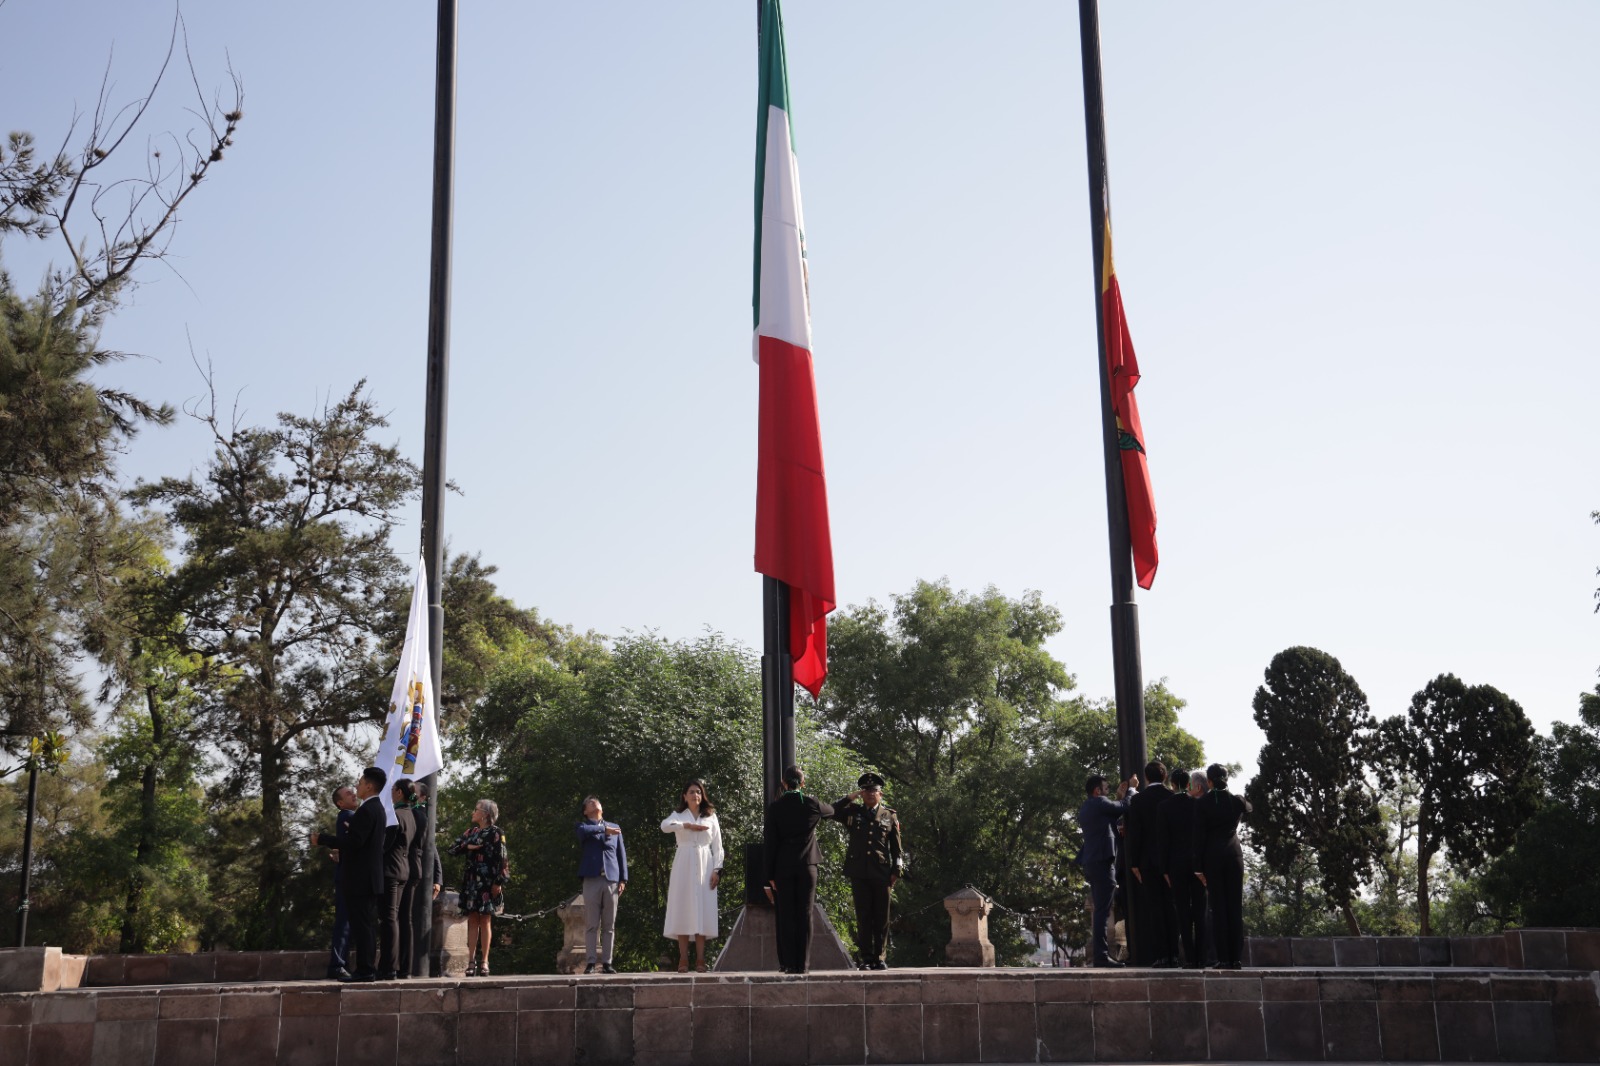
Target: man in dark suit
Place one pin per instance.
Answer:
(1188, 894)
(344, 798)
(1156, 919)
(397, 840)
(789, 834)
(361, 870)
(1098, 817)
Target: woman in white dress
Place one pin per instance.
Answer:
(696, 869)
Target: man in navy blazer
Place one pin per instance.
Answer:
(1099, 816)
(603, 866)
(361, 870)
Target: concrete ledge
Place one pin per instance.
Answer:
(898, 1016)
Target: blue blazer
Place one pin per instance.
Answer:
(1098, 817)
(600, 855)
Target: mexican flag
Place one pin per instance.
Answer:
(1124, 367)
(793, 544)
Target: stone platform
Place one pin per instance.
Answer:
(898, 1016)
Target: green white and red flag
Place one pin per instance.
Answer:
(793, 543)
(1124, 368)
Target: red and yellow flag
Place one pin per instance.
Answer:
(1124, 368)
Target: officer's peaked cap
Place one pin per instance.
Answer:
(867, 781)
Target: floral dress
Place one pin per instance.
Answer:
(486, 868)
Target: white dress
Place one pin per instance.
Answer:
(691, 901)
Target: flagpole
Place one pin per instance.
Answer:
(433, 448)
(1127, 670)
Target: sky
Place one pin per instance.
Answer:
(1358, 244)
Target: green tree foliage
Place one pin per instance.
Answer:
(1546, 879)
(485, 634)
(59, 431)
(290, 587)
(632, 726)
(1310, 795)
(954, 697)
(1471, 752)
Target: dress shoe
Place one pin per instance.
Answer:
(1165, 964)
(589, 968)
(606, 967)
(339, 974)
(360, 977)
(1235, 966)
(880, 965)
(391, 975)
(1108, 964)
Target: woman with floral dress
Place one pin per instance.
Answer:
(483, 883)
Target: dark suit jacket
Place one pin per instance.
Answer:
(397, 847)
(790, 833)
(1147, 830)
(341, 828)
(419, 842)
(1098, 817)
(360, 850)
(1178, 815)
(1216, 826)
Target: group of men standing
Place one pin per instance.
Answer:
(1180, 839)
(379, 868)
(872, 861)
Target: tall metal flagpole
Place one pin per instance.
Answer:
(777, 664)
(1127, 671)
(433, 475)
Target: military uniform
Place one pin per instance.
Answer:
(872, 862)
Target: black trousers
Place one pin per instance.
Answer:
(1189, 898)
(408, 938)
(1156, 919)
(390, 915)
(363, 911)
(1225, 886)
(872, 917)
(1102, 887)
(796, 896)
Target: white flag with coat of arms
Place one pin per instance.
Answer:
(410, 747)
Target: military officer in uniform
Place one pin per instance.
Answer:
(872, 862)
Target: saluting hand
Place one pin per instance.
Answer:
(613, 831)
(692, 826)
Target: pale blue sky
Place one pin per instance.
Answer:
(1359, 245)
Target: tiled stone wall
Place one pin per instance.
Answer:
(905, 1016)
(1519, 949)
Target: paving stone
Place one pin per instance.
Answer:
(1526, 1031)
(601, 1037)
(1122, 1032)
(1119, 989)
(1408, 1032)
(175, 1006)
(1405, 989)
(1294, 1031)
(1433, 951)
(1236, 989)
(1311, 951)
(1583, 949)
(894, 992)
(128, 1043)
(596, 995)
(60, 1043)
(1059, 989)
(1066, 1032)
(186, 1041)
(365, 1039)
(836, 1033)
(238, 966)
(110, 1007)
(1269, 951)
(1005, 989)
(1343, 989)
(1007, 1031)
(1398, 951)
(894, 1032)
(426, 1038)
(1466, 1031)
(718, 994)
(950, 1032)
(778, 1035)
(547, 997)
(249, 1005)
(1355, 951)
(253, 1041)
(1350, 1031)
(718, 1034)
(1178, 1032)
(1236, 1030)
(308, 1040)
(1282, 987)
(1186, 989)
(1577, 1032)
(544, 1036)
(491, 1036)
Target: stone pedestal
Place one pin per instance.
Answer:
(969, 929)
(448, 951)
(752, 945)
(41, 969)
(574, 953)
